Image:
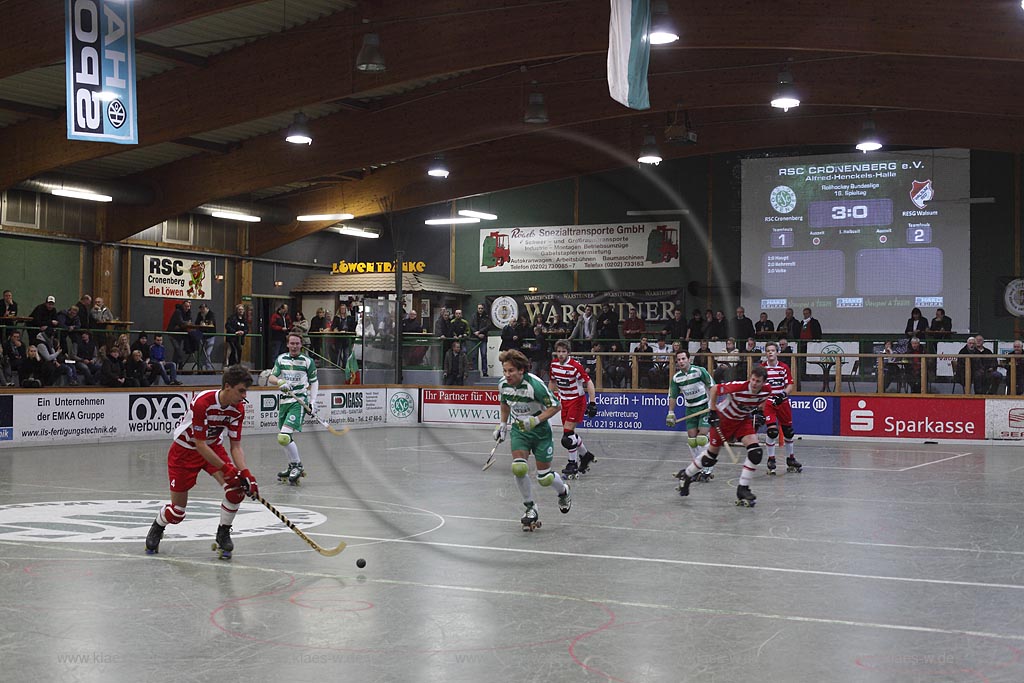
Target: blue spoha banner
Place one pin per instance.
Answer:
(100, 71)
(646, 412)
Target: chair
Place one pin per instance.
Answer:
(853, 376)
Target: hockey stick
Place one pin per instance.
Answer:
(490, 458)
(326, 552)
(323, 422)
(687, 416)
(728, 448)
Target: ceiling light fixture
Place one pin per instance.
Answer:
(437, 168)
(869, 141)
(786, 96)
(232, 216)
(82, 194)
(324, 217)
(298, 132)
(451, 221)
(663, 30)
(470, 213)
(370, 60)
(356, 231)
(649, 151)
(536, 110)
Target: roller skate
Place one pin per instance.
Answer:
(684, 483)
(793, 466)
(530, 520)
(571, 470)
(282, 476)
(296, 473)
(771, 466)
(565, 501)
(585, 461)
(223, 545)
(745, 497)
(705, 474)
(156, 532)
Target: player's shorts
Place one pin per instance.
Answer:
(780, 414)
(290, 415)
(701, 421)
(573, 409)
(731, 430)
(537, 441)
(184, 465)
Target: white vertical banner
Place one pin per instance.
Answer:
(629, 52)
(100, 71)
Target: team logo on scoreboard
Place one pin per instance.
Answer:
(783, 199)
(921, 192)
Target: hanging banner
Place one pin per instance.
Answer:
(580, 247)
(178, 278)
(100, 71)
(653, 306)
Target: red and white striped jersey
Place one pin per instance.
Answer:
(739, 402)
(779, 377)
(570, 378)
(208, 421)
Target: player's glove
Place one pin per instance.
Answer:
(713, 418)
(248, 483)
(758, 419)
(500, 432)
(231, 475)
(285, 387)
(778, 399)
(529, 423)
(591, 409)
(670, 420)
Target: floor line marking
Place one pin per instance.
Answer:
(934, 462)
(235, 565)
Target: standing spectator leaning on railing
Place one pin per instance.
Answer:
(480, 325)
(236, 328)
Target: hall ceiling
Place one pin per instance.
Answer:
(220, 81)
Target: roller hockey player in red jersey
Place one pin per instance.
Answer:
(199, 446)
(569, 381)
(733, 418)
(778, 413)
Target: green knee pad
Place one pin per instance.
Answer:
(520, 468)
(546, 478)
(693, 441)
(702, 440)
(284, 439)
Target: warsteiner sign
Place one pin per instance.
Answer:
(177, 278)
(651, 305)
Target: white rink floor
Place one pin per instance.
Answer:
(880, 562)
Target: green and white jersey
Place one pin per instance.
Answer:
(299, 372)
(530, 397)
(693, 385)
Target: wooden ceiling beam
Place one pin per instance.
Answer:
(528, 160)
(170, 54)
(231, 91)
(32, 32)
(466, 117)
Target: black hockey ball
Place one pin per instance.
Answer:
(360, 563)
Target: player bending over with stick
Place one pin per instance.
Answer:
(524, 397)
(294, 374)
(569, 379)
(734, 418)
(694, 383)
(199, 445)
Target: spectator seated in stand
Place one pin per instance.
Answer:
(44, 316)
(136, 370)
(166, 369)
(86, 357)
(112, 374)
(616, 369)
(52, 354)
(657, 376)
(14, 351)
(33, 372)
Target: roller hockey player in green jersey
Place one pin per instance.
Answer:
(526, 399)
(294, 374)
(694, 383)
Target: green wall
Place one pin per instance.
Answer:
(33, 269)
